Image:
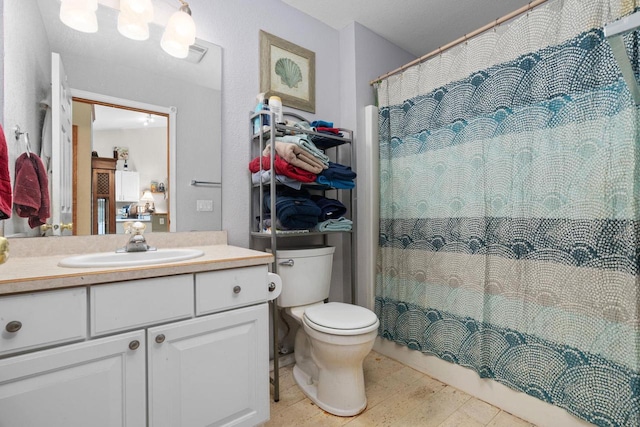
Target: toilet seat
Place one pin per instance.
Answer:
(338, 318)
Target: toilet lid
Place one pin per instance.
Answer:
(337, 315)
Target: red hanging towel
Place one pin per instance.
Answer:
(31, 192)
(5, 178)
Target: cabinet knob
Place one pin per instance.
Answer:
(133, 345)
(160, 338)
(236, 289)
(13, 326)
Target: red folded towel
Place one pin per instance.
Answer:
(282, 168)
(31, 192)
(5, 178)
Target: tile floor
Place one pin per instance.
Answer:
(397, 396)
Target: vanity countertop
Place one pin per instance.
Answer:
(32, 270)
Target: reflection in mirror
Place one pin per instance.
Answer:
(108, 64)
(122, 167)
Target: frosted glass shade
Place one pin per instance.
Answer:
(179, 34)
(134, 18)
(132, 27)
(80, 15)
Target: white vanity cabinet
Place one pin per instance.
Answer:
(98, 383)
(153, 352)
(210, 371)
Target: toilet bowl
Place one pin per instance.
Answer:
(333, 338)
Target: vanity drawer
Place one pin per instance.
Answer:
(138, 303)
(225, 289)
(42, 319)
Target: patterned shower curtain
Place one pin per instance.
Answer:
(510, 208)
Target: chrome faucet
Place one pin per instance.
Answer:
(137, 242)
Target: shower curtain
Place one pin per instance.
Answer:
(509, 210)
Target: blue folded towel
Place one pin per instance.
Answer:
(338, 224)
(322, 124)
(335, 183)
(331, 208)
(338, 171)
(294, 210)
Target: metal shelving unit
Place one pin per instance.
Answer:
(259, 141)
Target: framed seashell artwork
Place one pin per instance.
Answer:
(288, 71)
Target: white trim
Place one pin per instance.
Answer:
(368, 208)
(172, 112)
(521, 405)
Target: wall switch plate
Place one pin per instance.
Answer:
(204, 205)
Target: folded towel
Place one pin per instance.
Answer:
(282, 168)
(5, 179)
(305, 143)
(331, 208)
(294, 210)
(297, 156)
(335, 131)
(31, 192)
(321, 123)
(324, 142)
(338, 171)
(338, 224)
(336, 183)
(265, 177)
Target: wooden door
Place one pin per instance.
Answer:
(103, 195)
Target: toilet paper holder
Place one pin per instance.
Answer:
(274, 286)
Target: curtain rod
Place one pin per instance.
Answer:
(462, 39)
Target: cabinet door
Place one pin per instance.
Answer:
(127, 186)
(97, 383)
(210, 371)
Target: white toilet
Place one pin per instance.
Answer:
(333, 339)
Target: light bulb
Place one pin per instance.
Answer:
(80, 15)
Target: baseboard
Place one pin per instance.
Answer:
(516, 403)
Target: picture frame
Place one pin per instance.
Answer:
(288, 71)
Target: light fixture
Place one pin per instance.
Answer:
(148, 200)
(134, 18)
(180, 32)
(80, 15)
(148, 119)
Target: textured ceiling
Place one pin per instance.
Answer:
(417, 26)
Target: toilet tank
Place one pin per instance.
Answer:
(305, 273)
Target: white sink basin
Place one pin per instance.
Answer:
(126, 259)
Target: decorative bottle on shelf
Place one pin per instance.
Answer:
(261, 106)
(275, 104)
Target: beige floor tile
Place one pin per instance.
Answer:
(505, 419)
(479, 410)
(294, 415)
(435, 410)
(396, 405)
(460, 419)
(396, 396)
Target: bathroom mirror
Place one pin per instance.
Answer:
(112, 67)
